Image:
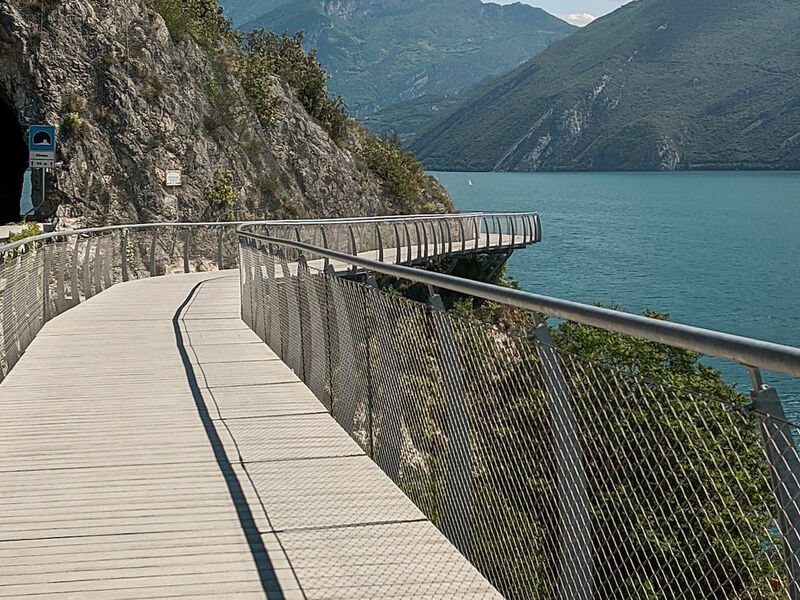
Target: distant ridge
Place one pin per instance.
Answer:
(656, 85)
(382, 52)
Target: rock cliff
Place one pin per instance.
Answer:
(131, 102)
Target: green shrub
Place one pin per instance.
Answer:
(105, 115)
(221, 194)
(401, 174)
(267, 54)
(73, 124)
(31, 229)
(201, 19)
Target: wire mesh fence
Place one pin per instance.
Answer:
(49, 274)
(597, 467)
(42, 278)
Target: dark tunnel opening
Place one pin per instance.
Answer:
(13, 163)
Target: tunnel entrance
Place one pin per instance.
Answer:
(13, 163)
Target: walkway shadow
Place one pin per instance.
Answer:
(266, 570)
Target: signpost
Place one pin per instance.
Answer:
(41, 152)
(42, 146)
(173, 179)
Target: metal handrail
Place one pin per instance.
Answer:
(746, 351)
(276, 223)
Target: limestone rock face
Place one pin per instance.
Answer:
(131, 103)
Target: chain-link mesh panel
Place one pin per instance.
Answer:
(559, 476)
(41, 279)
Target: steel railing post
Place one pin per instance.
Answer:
(463, 235)
(325, 244)
(399, 245)
(46, 283)
(187, 267)
(524, 230)
(343, 402)
(784, 468)
(220, 251)
(291, 353)
(353, 246)
(153, 243)
(61, 271)
(302, 303)
(575, 548)
(273, 334)
(74, 283)
(447, 224)
(123, 253)
(87, 264)
(98, 266)
(380, 242)
(457, 509)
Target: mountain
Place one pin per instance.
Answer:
(656, 85)
(407, 120)
(137, 88)
(382, 52)
(242, 11)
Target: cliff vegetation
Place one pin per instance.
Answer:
(140, 87)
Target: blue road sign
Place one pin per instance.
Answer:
(42, 138)
(42, 146)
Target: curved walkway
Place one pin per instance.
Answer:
(151, 446)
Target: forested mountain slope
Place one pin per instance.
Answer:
(658, 84)
(381, 52)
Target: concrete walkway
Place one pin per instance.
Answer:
(152, 447)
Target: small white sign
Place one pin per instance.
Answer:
(38, 163)
(173, 179)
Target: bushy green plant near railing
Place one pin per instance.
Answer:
(399, 171)
(669, 435)
(31, 229)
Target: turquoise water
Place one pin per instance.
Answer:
(715, 250)
(25, 203)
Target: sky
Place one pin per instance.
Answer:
(577, 12)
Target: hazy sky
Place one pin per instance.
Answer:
(578, 12)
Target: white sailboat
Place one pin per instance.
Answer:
(469, 182)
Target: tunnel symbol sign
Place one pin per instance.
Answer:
(42, 138)
(42, 145)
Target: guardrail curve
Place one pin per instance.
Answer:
(558, 476)
(44, 275)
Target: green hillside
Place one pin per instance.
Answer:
(407, 120)
(380, 53)
(658, 84)
(242, 11)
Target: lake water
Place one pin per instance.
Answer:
(715, 250)
(26, 202)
